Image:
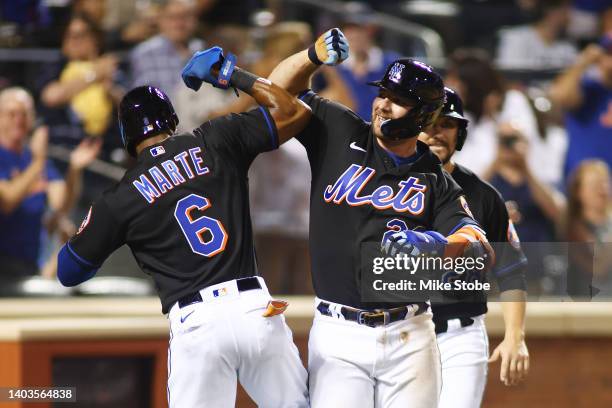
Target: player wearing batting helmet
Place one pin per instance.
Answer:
(372, 184)
(183, 210)
(462, 337)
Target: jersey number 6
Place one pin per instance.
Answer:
(194, 229)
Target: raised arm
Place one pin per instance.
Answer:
(566, 90)
(289, 114)
(294, 72)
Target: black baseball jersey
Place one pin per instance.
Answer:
(489, 210)
(358, 193)
(183, 209)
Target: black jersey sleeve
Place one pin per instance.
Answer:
(98, 236)
(243, 136)
(510, 265)
(451, 210)
(329, 120)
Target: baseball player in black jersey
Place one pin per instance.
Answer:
(369, 179)
(460, 329)
(183, 210)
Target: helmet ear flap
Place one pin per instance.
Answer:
(461, 136)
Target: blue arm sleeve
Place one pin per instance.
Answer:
(72, 269)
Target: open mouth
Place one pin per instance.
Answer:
(381, 118)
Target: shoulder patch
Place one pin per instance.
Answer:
(85, 221)
(465, 206)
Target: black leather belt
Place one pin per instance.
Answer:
(442, 325)
(373, 318)
(243, 285)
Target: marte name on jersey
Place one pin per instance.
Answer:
(171, 175)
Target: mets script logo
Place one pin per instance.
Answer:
(395, 74)
(410, 197)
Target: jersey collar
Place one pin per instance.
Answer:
(424, 158)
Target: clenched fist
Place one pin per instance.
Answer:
(331, 48)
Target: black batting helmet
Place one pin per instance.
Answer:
(453, 108)
(145, 112)
(422, 87)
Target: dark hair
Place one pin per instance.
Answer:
(543, 7)
(93, 27)
(474, 69)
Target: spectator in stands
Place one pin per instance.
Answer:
(489, 103)
(538, 45)
(96, 10)
(159, 60)
(584, 91)
(79, 93)
(367, 61)
(29, 183)
(279, 184)
(135, 20)
(534, 207)
(589, 219)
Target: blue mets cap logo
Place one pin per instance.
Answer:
(395, 73)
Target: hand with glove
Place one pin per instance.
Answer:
(331, 48)
(209, 66)
(413, 243)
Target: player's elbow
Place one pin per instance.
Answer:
(70, 271)
(290, 123)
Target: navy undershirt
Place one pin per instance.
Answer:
(400, 160)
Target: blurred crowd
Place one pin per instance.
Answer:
(535, 77)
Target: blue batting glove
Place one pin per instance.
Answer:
(199, 66)
(413, 243)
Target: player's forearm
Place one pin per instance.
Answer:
(289, 114)
(13, 192)
(58, 94)
(293, 74)
(513, 309)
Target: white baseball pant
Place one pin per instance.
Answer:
(225, 338)
(393, 366)
(464, 352)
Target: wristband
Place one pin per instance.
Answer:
(227, 69)
(242, 79)
(312, 55)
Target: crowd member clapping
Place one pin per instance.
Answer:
(29, 183)
(78, 94)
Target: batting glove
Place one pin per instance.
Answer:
(413, 243)
(199, 69)
(331, 48)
